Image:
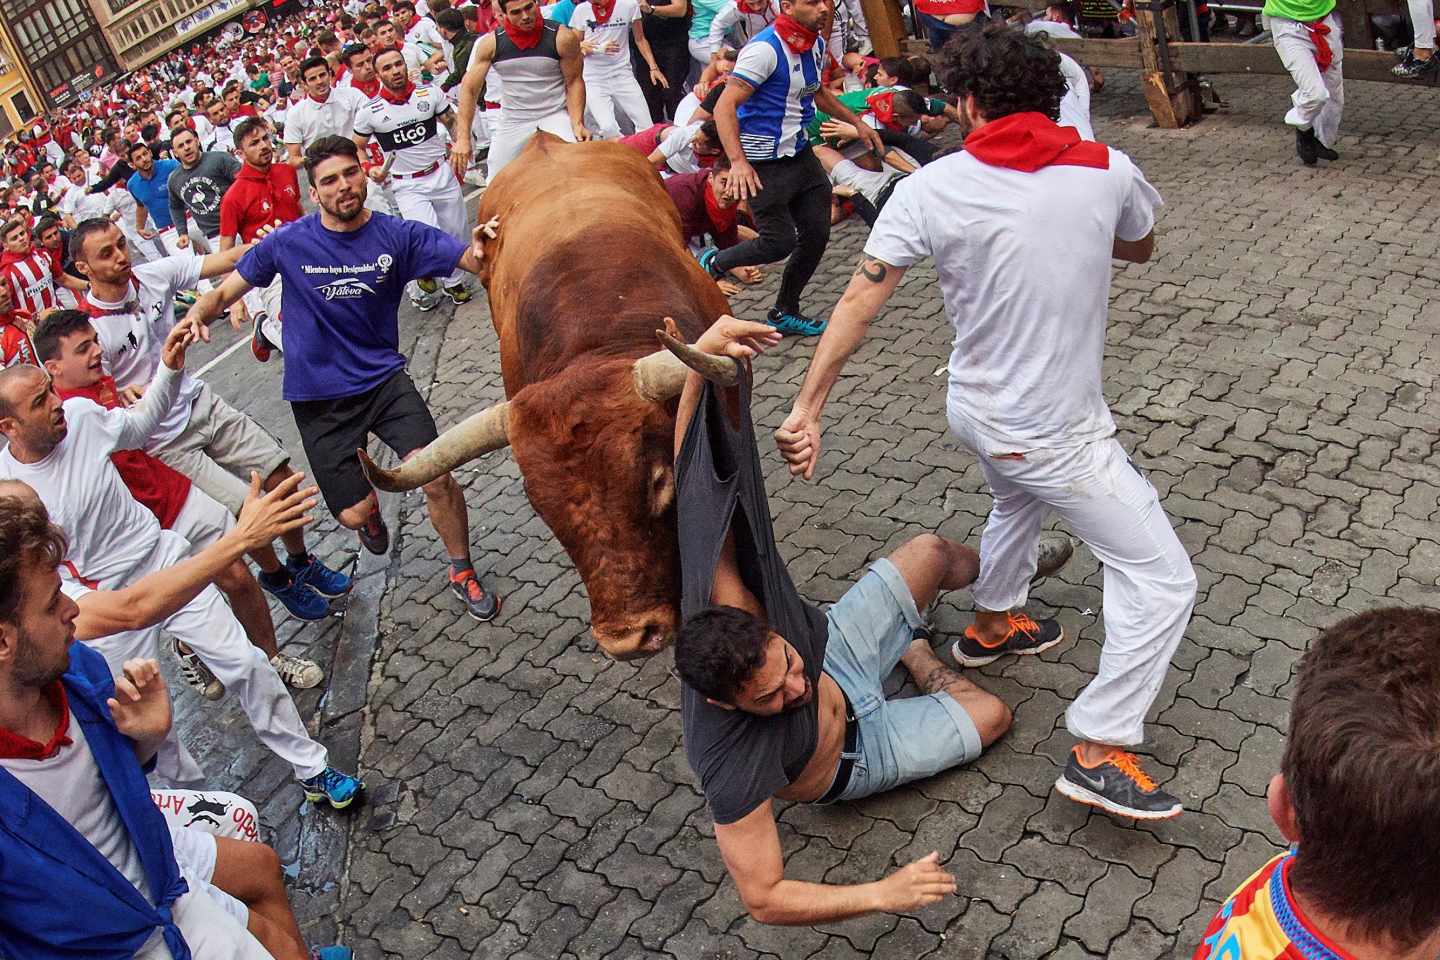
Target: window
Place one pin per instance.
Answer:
(23, 110)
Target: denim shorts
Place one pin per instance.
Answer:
(900, 740)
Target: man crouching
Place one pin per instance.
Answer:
(780, 700)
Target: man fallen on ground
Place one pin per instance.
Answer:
(781, 701)
(73, 746)
(1356, 796)
(707, 212)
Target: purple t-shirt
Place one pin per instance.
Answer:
(340, 297)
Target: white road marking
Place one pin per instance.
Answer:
(243, 341)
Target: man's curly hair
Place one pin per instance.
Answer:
(1005, 70)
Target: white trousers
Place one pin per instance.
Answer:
(1422, 18)
(1319, 98)
(1149, 583)
(264, 306)
(209, 931)
(605, 95)
(207, 626)
(435, 199)
(857, 18)
(509, 136)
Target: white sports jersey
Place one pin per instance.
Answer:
(80, 204)
(740, 23)
(110, 532)
(309, 120)
(612, 36)
(409, 133)
(132, 332)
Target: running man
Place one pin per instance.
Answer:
(407, 122)
(1307, 36)
(345, 270)
(607, 28)
(539, 65)
(1028, 298)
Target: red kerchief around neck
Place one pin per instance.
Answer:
(797, 36)
(525, 39)
(602, 10)
(15, 747)
(389, 96)
(1031, 141)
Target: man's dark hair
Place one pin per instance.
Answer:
(910, 100)
(57, 325)
(27, 538)
(44, 224)
(349, 51)
(716, 651)
(1362, 767)
(382, 53)
(325, 148)
(326, 37)
(180, 132)
(450, 20)
(130, 150)
(16, 223)
(249, 125)
(504, 5)
(83, 229)
(170, 117)
(710, 131)
(1005, 70)
(311, 63)
(900, 68)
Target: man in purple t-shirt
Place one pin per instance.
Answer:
(344, 273)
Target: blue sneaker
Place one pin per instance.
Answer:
(707, 262)
(335, 952)
(794, 324)
(302, 601)
(318, 577)
(336, 788)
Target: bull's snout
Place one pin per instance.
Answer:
(644, 638)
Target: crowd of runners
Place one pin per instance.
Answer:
(140, 512)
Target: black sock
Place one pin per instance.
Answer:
(298, 560)
(459, 566)
(280, 578)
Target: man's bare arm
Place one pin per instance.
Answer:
(751, 850)
(1135, 251)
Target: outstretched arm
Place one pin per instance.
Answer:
(480, 57)
(751, 850)
(568, 46)
(799, 436)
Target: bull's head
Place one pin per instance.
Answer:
(595, 444)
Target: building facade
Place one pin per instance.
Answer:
(61, 45)
(19, 101)
(142, 30)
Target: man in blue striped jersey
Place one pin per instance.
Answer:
(770, 98)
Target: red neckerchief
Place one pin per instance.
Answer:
(1030, 141)
(602, 11)
(371, 87)
(321, 102)
(399, 99)
(797, 37)
(411, 25)
(95, 311)
(721, 218)
(1324, 56)
(525, 40)
(15, 747)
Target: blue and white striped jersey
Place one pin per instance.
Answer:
(773, 120)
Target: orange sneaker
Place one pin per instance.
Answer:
(1023, 636)
(1117, 785)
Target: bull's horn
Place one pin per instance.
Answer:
(476, 435)
(659, 377)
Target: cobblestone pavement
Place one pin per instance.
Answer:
(1270, 371)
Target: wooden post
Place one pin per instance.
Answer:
(1173, 99)
(887, 27)
(1354, 16)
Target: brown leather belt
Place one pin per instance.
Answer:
(847, 760)
(418, 173)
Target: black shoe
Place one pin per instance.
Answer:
(1024, 637)
(1412, 69)
(1117, 785)
(1054, 553)
(375, 536)
(479, 603)
(260, 345)
(1305, 147)
(1324, 152)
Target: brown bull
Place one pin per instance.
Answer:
(587, 258)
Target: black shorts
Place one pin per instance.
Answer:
(332, 430)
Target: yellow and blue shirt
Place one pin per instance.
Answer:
(1262, 921)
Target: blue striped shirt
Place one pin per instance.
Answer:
(773, 120)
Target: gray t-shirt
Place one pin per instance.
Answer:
(199, 190)
(742, 760)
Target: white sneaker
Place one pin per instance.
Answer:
(297, 672)
(194, 672)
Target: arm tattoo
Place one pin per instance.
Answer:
(872, 270)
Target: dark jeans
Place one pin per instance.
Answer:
(918, 147)
(674, 63)
(792, 215)
(937, 31)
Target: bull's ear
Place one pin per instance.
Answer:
(662, 488)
